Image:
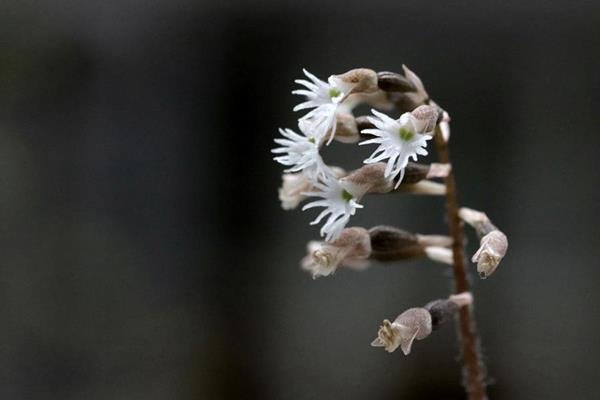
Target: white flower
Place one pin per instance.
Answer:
(339, 204)
(300, 152)
(324, 98)
(399, 140)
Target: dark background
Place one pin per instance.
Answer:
(144, 253)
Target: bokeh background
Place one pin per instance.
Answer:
(144, 253)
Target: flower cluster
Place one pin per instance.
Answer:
(390, 168)
(330, 117)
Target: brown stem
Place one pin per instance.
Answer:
(473, 370)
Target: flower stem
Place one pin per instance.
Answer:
(474, 369)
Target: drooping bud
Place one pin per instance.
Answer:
(351, 249)
(413, 324)
(362, 80)
(493, 244)
(492, 249)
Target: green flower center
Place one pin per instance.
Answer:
(312, 140)
(333, 92)
(346, 195)
(405, 134)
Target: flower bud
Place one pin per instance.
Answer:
(492, 245)
(362, 80)
(492, 248)
(426, 117)
(352, 249)
(414, 323)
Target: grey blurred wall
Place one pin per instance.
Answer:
(144, 253)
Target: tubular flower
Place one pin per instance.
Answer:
(398, 140)
(339, 202)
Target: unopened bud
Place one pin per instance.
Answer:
(492, 249)
(362, 80)
(413, 324)
(426, 117)
(352, 249)
(492, 245)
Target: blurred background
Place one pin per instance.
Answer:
(144, 252)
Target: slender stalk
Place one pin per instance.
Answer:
(473, 370)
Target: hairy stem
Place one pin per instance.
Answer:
(473, 370)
